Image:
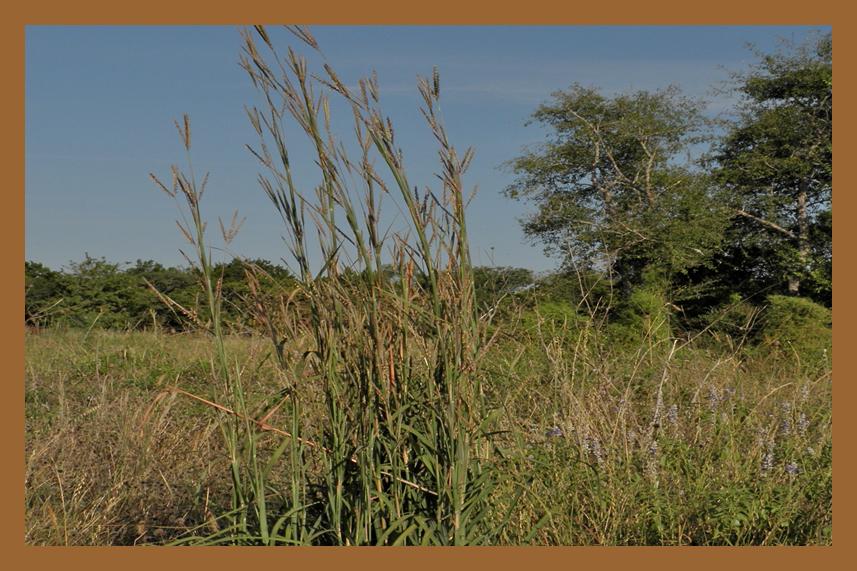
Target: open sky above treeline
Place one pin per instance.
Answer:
(100, 105)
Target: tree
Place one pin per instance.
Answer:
(99, 292)
(273, 280)
(492, 283)
(615, 185)
(45, 290)
(178, 284)
(775, 163)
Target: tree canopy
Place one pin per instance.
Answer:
(776, 163)
(642, 186)
(615, 185)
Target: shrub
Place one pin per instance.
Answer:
(736, 317)
(644, 315)
(799, 327)
(552, 319)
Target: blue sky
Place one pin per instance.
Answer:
(100, 104)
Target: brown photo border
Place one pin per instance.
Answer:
(392, 12)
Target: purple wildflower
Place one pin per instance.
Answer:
(653, 448)
(713, 399)
(672, 414)
(767, 461)
(555, 432)
(652, 462)
(802, 423)
(593, 447)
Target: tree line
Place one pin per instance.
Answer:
(95, 292)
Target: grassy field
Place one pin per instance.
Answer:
(379, 399)
(741, 453)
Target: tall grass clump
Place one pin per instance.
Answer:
(228, 396)
(388, 319)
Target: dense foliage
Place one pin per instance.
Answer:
(612, 183)
(776, 164)
(98, 293)
(623, 185)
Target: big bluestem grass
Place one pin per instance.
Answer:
(404, 452)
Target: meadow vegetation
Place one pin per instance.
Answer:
(383, 391)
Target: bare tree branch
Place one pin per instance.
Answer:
(766, 223)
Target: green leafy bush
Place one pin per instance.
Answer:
(552, 319)
(799, 327)
(736, 317)
(645, 314)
